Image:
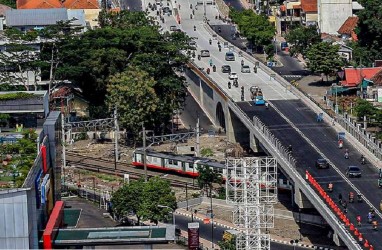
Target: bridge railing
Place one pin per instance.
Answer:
(285, 159)
(358, 136)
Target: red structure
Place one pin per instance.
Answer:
(55, 221)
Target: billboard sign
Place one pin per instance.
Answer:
(45, 185)
(193, 235)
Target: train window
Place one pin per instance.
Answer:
(191, 165)
(170, 162)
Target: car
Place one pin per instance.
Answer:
(245, 69)
(166, 10)
(173, 28)
(226, 69)
(229, 56)
(205, 53)
(233, 76)
(353, 171)
(322, 163)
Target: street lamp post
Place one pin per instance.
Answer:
(172, 211)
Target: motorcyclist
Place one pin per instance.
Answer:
(374, 224)
(346, 154)
(345, 205)
(363, 160)
(229, 84)
(358, 218)
(236, 83)
(351, 197)
(208, 70)
(219, 29)
(210, 41)
(330, 187)
(266, 105)
(369, 217)
(191, 16)
(190, 6)
(214, 68)
(194, 28)
(242, 63)
(210, 62)
(220, 48)
(380, 182)
(242, 90)
(199, 57)
(340, 198)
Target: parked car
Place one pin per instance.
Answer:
(233, 76)
(226, 69)
(173, 28)
(205, 53)
(353, 171)
(322, 163)
(245, 69)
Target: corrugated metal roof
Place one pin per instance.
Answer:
(78, 17)
(35, 17)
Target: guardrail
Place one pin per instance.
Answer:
(358, 135)
(274, 146)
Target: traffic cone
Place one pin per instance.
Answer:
(366, 244)
(360, 238)
(356, 233)
(371, 247)
(351, 228)
(347, 222)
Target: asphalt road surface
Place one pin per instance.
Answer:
(205, 233)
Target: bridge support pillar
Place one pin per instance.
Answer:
(230, 133)
(300, 199)
(254, 143)
(337, 240)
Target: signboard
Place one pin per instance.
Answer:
(193, 235)
(45, 185)
(37, 185)
(379, 93)
(126, 178)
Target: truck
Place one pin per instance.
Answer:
(257, 95)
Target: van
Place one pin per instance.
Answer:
(229, 56)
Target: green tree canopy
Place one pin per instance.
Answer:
(324, 58)
(364, 108)
(142, 199)
(256, 28)
(369, 31)
(302, 38)
(207, 176)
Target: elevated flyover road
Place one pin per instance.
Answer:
(291, 122)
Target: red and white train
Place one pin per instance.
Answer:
(187, 165)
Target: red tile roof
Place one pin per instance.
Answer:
(349, 25)
(48, 4)
(81, 4)
(353, 76)
(38, 4)
(309, 5)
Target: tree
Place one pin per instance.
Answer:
(142, 199)
(207, 176)
(324, 58)
(256, 28)
(10, 3)
(228, 244)
(302, 38)
(369, 31)
(364, 108)
(132, 93)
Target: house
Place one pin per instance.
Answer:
(26, 108)
(68, 98)
(353, 77)
(309, 12)
(28, 19)
(347, 29)
(51, 4)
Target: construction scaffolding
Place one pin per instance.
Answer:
(252, 187)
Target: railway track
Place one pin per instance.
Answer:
(101, 165)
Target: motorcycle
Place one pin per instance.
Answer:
(363, 161)
(229, 85)
(194, 28)
(236, 83)
(210, 41)
(346, 156)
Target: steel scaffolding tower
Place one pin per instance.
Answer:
(252, 187)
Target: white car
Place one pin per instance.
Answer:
(233, 76)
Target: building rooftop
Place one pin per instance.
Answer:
(354, 76)
(49, 4)
(35, 17)
(4, 8)
(309, 5)
(377, 78)
(349, 25)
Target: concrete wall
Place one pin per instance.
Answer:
(14, 224)
(332, 14)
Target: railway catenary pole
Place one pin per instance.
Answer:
(197, 137)
(144, 151)
(116, 131)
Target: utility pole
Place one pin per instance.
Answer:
(144, 151)
(197, 137)
(116, 131)
(63, 147)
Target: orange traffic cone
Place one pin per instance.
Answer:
(351, 227)
(347, 222)
(366, 244)
(360, 238)
(356, 233)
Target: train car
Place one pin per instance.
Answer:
(188, 165)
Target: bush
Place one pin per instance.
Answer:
(206, 152)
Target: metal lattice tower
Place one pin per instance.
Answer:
(252, 187)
